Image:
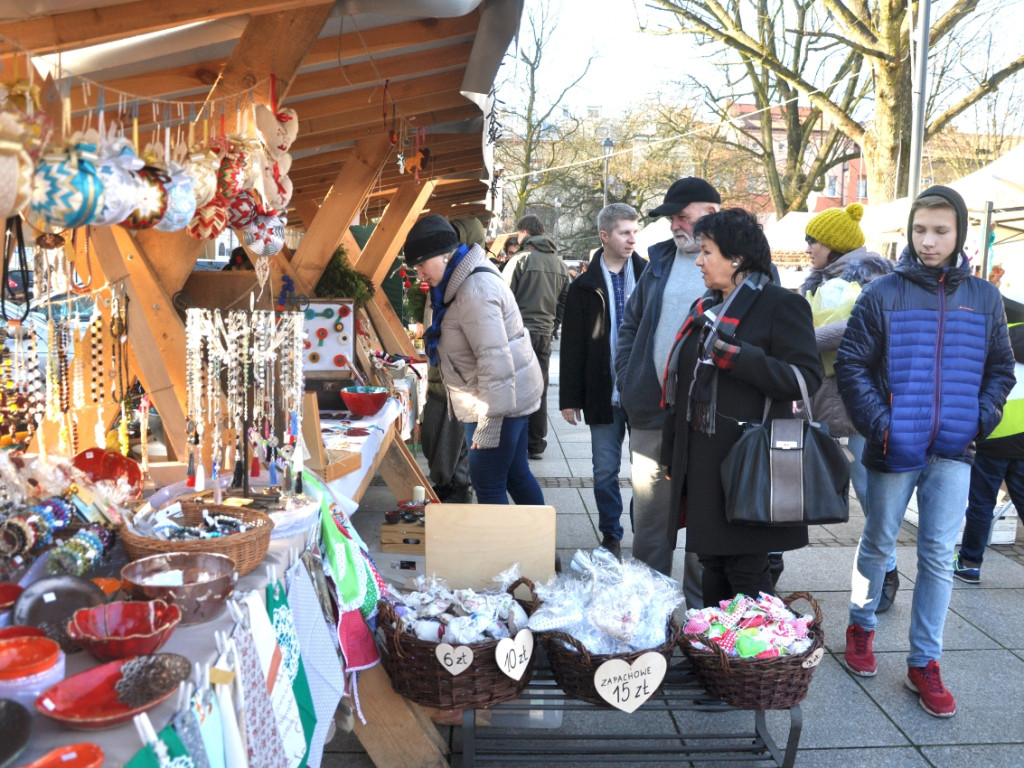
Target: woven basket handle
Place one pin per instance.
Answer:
(386, 613)
(819, 617)
(534, 600)
(570, 640)
(712, 647)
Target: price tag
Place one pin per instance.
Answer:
(454, 659)
(814, 659)
(48, 704)
(68, 757)
(513, 654)
(49, 597)
(626, 686)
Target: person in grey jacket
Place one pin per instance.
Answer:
(835, 244)
(478, 341)
(654, 313)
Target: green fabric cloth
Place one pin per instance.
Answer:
(291, 658)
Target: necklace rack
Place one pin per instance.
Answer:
(237, 350)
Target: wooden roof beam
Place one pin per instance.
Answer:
(340, 207)
(92, 26)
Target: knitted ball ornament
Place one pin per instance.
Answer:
(838, 229)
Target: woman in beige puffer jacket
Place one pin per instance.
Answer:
(485, 358)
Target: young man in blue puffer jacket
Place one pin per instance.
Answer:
(923, 369)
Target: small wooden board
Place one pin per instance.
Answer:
(403, 538)
(469, 544)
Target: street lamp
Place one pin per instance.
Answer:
(606, 151)
(558, 210)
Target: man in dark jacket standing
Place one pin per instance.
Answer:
(594, 310)
(539, 281)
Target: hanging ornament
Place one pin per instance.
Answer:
(16, 166)
(66, 189)
(231, 174)
(181, 200)
(151, 203)
(202, 166)
(277, 187)
(277, 129)
(118, 166)
(209, 220)
(265, 236)
(241, 210)
(262, 267)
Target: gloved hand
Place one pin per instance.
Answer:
(724, 354)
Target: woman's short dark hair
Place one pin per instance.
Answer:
(739, 236)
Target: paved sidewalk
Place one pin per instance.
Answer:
(848, 721)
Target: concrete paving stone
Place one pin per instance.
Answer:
(892, 631)
(577, 532)
(986, 685)
(988, 755)
(566, 501)
(575, 436)
(577, 450)
(999, 613)
(858, 757)
(550, 466)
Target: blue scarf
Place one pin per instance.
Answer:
(433, 334)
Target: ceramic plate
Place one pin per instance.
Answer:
(84, 755)
(15, 730)
(50, 602)
(99, 697)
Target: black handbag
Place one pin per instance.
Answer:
(787, 472)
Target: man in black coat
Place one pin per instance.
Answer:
(594, 309)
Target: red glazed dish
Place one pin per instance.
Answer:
(85, 755)
(88, 701)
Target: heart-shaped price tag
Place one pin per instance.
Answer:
(814, 659)
(454, 659)
(626, 686)
(513, 654)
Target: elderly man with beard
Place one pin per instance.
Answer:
(653, 315)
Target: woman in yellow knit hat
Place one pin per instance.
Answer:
(840, 267)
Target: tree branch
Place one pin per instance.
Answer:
(989, 86)
(950, 19)
(864, 36)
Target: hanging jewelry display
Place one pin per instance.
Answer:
(239, 351)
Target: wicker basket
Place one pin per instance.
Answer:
(247, 549)
(777, 683)
(574, 668)
(417, 675)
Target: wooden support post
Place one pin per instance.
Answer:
(395, 736)
(393, 337)
(401, 473)
(155, 331)
(352, 185)
(389, 235)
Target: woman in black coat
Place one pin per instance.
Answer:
(734, 349)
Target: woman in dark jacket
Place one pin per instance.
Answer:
(735, 349)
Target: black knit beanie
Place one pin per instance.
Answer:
(430, 236)
(953, 197)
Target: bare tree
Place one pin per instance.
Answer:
(876, 32)
(538, 126)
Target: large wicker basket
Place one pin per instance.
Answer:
(247, 549)
(573, 668)
(417, 675)
(777, 683)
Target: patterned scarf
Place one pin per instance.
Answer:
(433, 334)
(712, 318)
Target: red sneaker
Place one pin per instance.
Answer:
(935, 697)
(859, 657)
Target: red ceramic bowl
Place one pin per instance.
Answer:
(364, 401)
(89, 701)
(27, 656)
(19, 630)
(99, 464)
(119, 630)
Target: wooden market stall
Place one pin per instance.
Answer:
(394, 112)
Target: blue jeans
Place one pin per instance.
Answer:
(859, 481)
(987, 475)
(606, 453)
(504, 467)
(941, 496)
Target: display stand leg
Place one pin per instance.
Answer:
(393, 736)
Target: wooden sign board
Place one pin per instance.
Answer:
(469, 544)
(328, 464)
